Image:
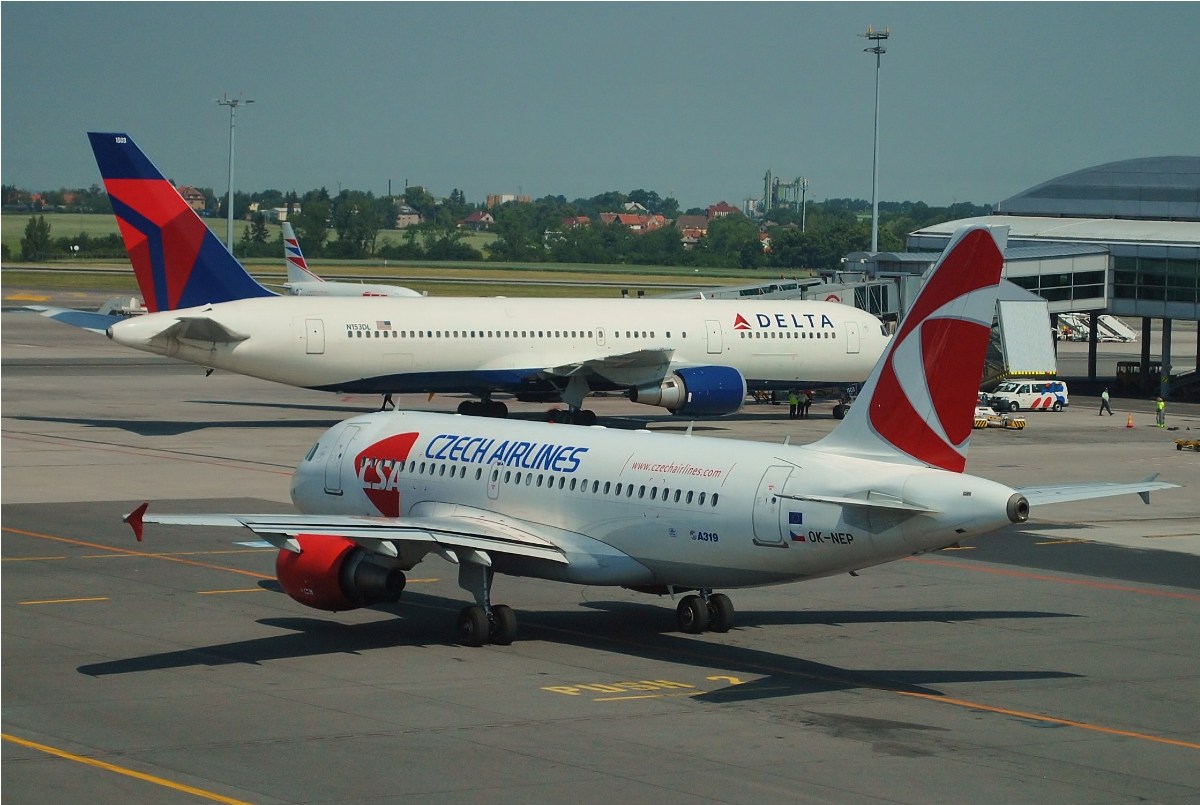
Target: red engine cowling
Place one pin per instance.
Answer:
(334, 574)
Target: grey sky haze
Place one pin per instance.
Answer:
(695, 100)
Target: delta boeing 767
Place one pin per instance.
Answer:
(691, 357)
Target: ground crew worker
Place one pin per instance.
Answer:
(793, 404)
(1104, 406)
(1162, 411)
(805, 401)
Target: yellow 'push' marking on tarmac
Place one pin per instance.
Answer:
(137, 775)
(61, 601)
(144, 554)
(1061, 542)
(1083, 725)
(31, 558)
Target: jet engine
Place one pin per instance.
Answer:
(334, 574)
(697, 390)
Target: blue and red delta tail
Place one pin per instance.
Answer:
(177, 259)
(918, 404)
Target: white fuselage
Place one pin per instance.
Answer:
(638, 508)
(477, 344)
(318, 287)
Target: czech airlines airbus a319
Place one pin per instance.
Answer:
(656, 512)
(691, 357)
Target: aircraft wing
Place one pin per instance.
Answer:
(375, 534)
(83, 319)
(1062, 493)
(625, 368)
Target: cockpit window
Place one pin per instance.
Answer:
(312, 452)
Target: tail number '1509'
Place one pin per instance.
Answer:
(705, 536)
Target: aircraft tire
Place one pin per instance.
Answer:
(839, 411)
(503, 625)
(720, 613)
(467, 408)
(473, 626)
(497, 410)
(587, 417)
(692, 614)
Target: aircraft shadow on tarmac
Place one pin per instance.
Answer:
(647, 632)
(175, 427)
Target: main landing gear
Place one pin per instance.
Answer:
(485, 407)
(571, 416)
(710, 611)
(483, 622)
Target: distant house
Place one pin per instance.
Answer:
(193, 197)
(576, 221)
(496, 199)
(478, 221)
(635, 223)
(720, 210)
(406, 216)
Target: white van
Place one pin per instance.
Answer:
(1030, 395)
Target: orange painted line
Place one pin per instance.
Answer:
(32, 558)
(161, 454)
(1094, 585)
(137, 775)
(1083, 725)
(61, 601)
(226, 592)
(143, 554)
(185, 553)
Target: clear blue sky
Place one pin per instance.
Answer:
(694, 100)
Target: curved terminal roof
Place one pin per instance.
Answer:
(1163, 188)
(1075, 230)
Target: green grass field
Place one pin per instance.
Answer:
(434, 278)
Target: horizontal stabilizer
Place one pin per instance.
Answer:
(1063, 493)
(871, 500)
(83, 319)
(200, 328)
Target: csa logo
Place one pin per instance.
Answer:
(378, 469)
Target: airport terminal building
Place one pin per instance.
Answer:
(1120, 239)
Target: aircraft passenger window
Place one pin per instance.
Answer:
(507, 476)
(590, 333)
(573, 480)
(478, 473)
(668, 333)
(677, 493)
(641, 491)
(495, 475)
(607, 486)
(359, 333)
(517, 478)
(654, 493)
(442, 470)
(617, 491)
(349, 333)
(561, 482)
(629, 491)
(529, 478)
(689, 496)
(595, 486)
(539, 483)
(713, 502)
(700, 501)
(541, 334)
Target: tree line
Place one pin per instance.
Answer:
(527, 232)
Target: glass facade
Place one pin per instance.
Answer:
(1157, 277)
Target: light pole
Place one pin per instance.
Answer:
(803, 206)
(876, 38)
(233, 104)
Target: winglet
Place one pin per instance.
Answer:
(134, 518)
(1145, 494)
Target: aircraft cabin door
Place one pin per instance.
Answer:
(852, 342)
(314, 336)
(333, 466)
(494, 481)
(768, 530)
(715, 346)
